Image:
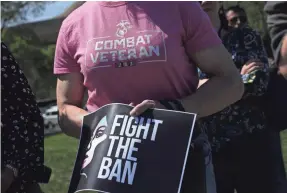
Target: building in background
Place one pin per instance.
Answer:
(46, 33)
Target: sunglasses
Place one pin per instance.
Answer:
(243, 19)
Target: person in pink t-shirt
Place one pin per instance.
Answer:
(130, 52)
(139, 53)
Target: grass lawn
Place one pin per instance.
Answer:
(284, 146)
(60, 153)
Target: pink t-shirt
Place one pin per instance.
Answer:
(133, 51)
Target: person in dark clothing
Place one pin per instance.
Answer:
(277, 91)
(267, 45)
(276, 12)
(247, 51)
(22, 131)
(246, 153)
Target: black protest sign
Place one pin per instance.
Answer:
(119, 153)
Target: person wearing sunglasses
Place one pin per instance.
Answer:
(246, 154)
(236, 16)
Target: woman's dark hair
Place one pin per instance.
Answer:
(222, 15)
(237, 9)
(223, 20)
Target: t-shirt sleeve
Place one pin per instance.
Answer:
(199, 32)
(64, 61)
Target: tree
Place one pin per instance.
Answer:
(34, 56)
(14, 12)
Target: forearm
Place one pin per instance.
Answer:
(283, 58)
(277, 21)
(70, 119)
(283, 70)
(216, 94)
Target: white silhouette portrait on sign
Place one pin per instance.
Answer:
(98, 137)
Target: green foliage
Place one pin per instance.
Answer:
(284, 147)
(14, 12)
(34, 58)
(60, 155)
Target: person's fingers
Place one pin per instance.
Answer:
(283, 70)
(142, 107)
(248, 66)
(252, 69)
(132, 104)
(252, 64)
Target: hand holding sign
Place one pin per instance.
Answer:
(145, 105)
(118, 153)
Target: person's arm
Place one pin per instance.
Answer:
(251, 53)
(205, 49)
(70, 89)
(70, 93)
(277, 25)
(283, 58)
(222, 89)
(254, 73)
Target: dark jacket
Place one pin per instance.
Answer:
(246, 115)
(22, 126)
